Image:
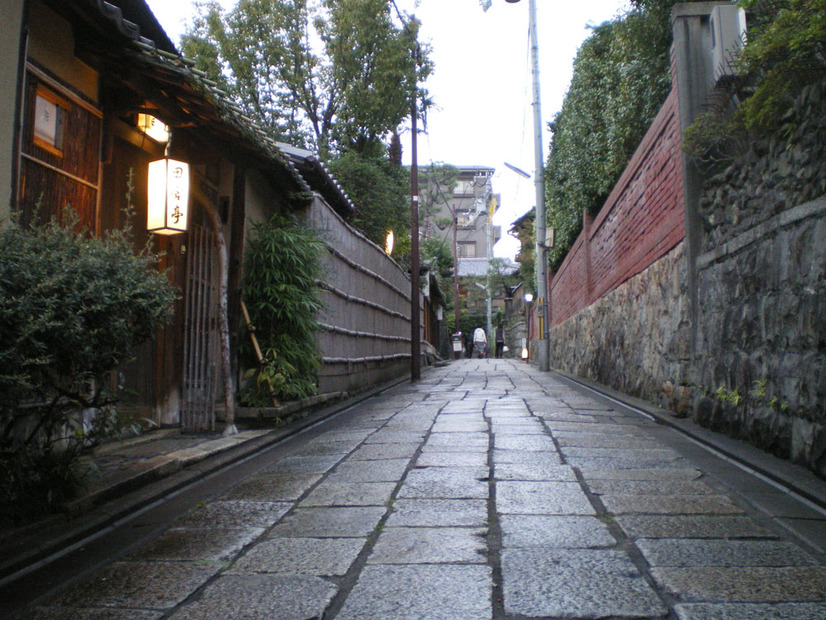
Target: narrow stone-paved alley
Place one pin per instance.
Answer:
(487, 490)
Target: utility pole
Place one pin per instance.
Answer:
(543, 353)
(539, 185)
(415, 320)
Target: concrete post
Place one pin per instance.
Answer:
(13, 51)
(693, 79)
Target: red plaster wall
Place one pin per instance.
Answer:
(640, 222)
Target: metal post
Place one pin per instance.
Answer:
(539, 184)
(488, 303)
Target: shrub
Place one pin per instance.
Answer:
(72, 309)
(282, 270)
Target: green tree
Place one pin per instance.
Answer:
(330, 75)
(379, 189)
(785, 52)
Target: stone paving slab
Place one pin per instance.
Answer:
(141, 585)
(580, 583)
(197, 544)
(418, 591)
(330, 522)
(554, 532)
(669, 504)
(649, 487)
(751, 611)
(603, 440)
(430, 545)
(619, 454)
(749, 584)
(534, 471)
(385, 470)
(668, 473)
(684, 553)
(334, 493)
(526, 457)
(391, 436)
(524, 443)
(692, 526)
(323, 557)
(640, 461)
(286, 597)
(264, 488)
(235, 514)
(439, 512)
(375, 452)
(313, 464)
(446, 483)
(457, 441)
(541, 497)
(452, 459)
(86, 613)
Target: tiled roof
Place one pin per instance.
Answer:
(478, 267)
(211, 107)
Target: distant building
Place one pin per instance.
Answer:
(471, 203)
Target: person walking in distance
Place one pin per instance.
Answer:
(479, 341)
(500, 340)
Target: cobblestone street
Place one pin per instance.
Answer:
(487, 490)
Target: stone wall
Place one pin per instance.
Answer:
(727, 323)
(635, 338)
(760, 365)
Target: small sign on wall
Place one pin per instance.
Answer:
(50, 113)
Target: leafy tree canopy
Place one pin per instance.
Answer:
(333, 75)
(379, 189)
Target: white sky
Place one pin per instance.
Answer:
(481, 84)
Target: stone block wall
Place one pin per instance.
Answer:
(760, 363)
(635, 338)
(760, 366)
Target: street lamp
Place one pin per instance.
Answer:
(526, 349)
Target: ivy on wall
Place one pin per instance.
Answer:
(621, 77)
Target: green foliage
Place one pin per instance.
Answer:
(282, 270)
(349, 93)
(621, 77)
(72, 309)
(784, 54)
(501, 276)
(379, 189)
(435, 254)
(786, 51)
(729, 396)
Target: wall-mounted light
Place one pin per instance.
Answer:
(153, 127)
(528, 298)
(389, 242)
(168, 197)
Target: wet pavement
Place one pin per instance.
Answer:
(487, 490)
